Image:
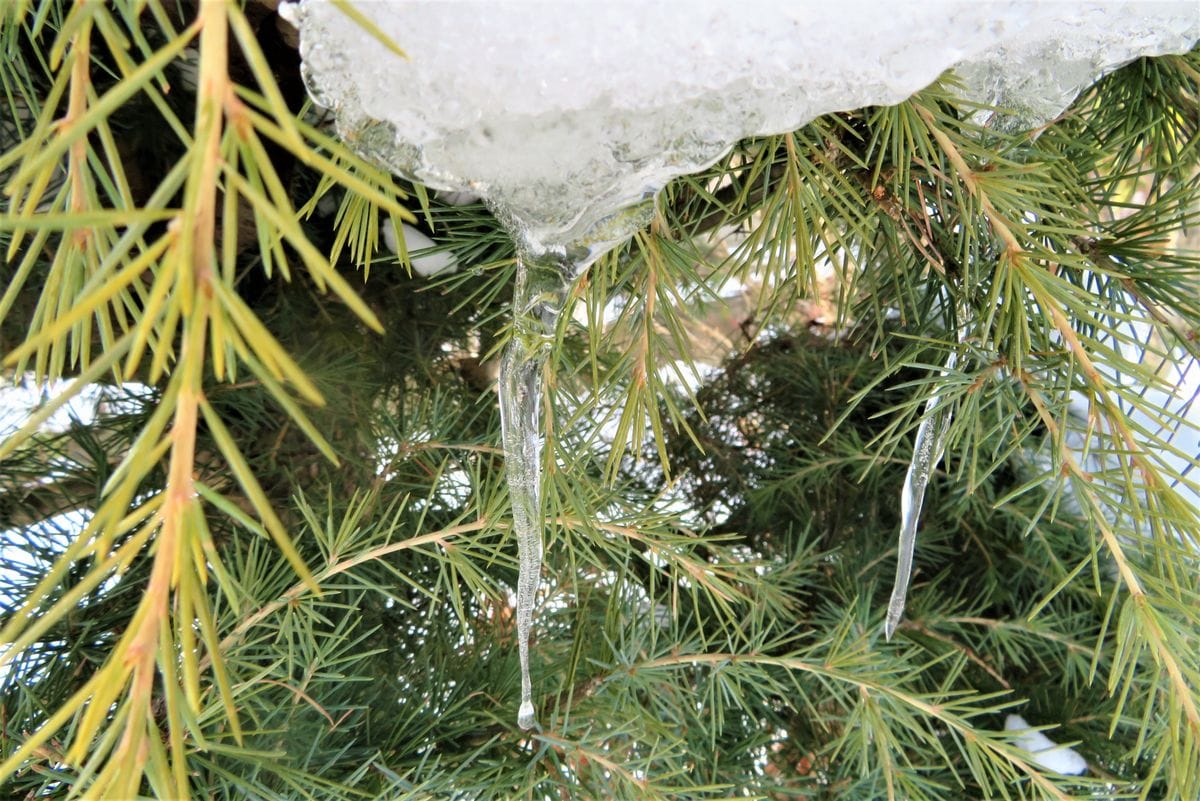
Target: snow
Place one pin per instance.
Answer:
(19, 401)
(559, 114)
(1045, 752)
(458, 198)
(426, 262)
(1171, 415)
(1164, 421)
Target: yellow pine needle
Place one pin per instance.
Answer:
(264, 346)
(334, 172)
(164, 279)
(89, 304)
(108, 103)
(208, 630)
(165, 335)
(316, 263)
(98, 573)
(254, 493)
(88, 376)
(266, 81)
(185, 618)
(294, 411)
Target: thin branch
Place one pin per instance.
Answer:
(299, 589)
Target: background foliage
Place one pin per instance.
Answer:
(275, 562)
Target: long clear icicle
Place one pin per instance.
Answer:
(928, 448)
(538, 296)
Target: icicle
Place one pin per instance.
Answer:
(544, 277)
(927, 454)
(537, 301)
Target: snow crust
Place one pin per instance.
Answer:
(422, 254)
(1045, 752)
(560, 113)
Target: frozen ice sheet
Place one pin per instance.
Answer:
(559, 113)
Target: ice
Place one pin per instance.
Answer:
(538, 298)
(928, 448)
(1064, 47)
(558, 113)
(1045, 752)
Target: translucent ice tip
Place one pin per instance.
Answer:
(525, 716)
(892, 623)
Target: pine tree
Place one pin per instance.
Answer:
(277, 561)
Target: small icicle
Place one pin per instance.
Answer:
(927, 454)
(537, 300)
(520, 409)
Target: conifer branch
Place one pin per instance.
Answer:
(703, 633)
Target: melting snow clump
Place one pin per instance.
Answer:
(560, 114)
(426, 261)
(1045, 752)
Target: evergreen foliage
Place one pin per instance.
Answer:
(277, 562)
